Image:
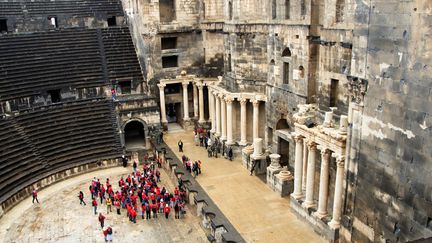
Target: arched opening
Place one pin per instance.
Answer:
(282, 124)
(301, 72)
(283, 147)
(134, 134)
(286, 52)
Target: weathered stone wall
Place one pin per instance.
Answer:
(392, 51)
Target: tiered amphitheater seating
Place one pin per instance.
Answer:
(79, 8)
(55, 138)
(120, 54)
(31, 62)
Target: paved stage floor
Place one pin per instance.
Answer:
(258, 213)
(60, 218)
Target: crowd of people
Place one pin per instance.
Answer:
(137, 194)
(202, 138)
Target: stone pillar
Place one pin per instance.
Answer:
(305, 160)
(324, 182)
(337, 203)
(223, 118)
(258, 144)
(185, 101)
(298, 167)
(243, 122)
(229, 100)
(162, 102)
(195, 99)
(201, 103)
(309, 202)
(255, 104)
(218, 115)
(212, 111)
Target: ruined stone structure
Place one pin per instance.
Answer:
(349, 79)
(346, 78)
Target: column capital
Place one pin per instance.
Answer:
(220, 95)
(229, 99)
(161, 85)
(254, 102)
(312, 146)
(326, 152)
(298, 139)
(185, 83)
(243, 101)
(340, 161)
(200, 86)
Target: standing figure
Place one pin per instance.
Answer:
(34, 194)
(94, 204)
(101, 220)
(81, 198)
(180, 145)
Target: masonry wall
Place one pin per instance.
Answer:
(394, 188)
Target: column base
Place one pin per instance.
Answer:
(201, 121)
(223, 138)
(320, 215)
(186, 118)
(230, 143)
(242, 143)
(307, 204)
(334, 224)
(297, 196)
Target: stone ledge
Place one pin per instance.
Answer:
(221, 229)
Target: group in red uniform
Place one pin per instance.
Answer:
(139, 191)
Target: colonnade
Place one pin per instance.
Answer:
(220, 107)
(303, 144)
(221, 116)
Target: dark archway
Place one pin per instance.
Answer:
(282, 124)
(134, 134)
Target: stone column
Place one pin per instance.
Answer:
(218, 115)
(201, 103)
(324, 182)
(212, 111)
(223, 118)
(229, 100)
(185, 101)
(255, 104)
(309, 202)
(298, 167)
(162, 102)
(195, 99)
(305, 160)
(243, 122)
(337, 203)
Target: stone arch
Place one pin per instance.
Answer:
(282, 124)
(132, 131)
(286, 52)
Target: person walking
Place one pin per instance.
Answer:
(94, 204)
(108, 234)
(167, 210)
(101, 219)
(176, 211)
(81, 198)
(108, 204)
(117, 205)
(35, 194)
(180, 145)
(230, 154)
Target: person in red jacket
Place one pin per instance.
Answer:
(81, 198)
(94, 204)
(133, 215)
(167, 210)
(101, 220)
(34, 194)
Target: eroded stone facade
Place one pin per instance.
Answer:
(365, 61)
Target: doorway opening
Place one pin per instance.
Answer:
(283, 150)
(134, 134)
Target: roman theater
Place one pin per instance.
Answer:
(260, 121)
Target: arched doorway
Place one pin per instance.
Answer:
(283, 148)
(134, 134)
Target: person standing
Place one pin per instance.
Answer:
(230, 154)
(167, 210)
(177, 211)
(81, 198)
(117, 204)
(108, 203)
(124, 161)
(180, 145)
(35, 194)
(101, 220)
(134, 165)
(94, 204)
